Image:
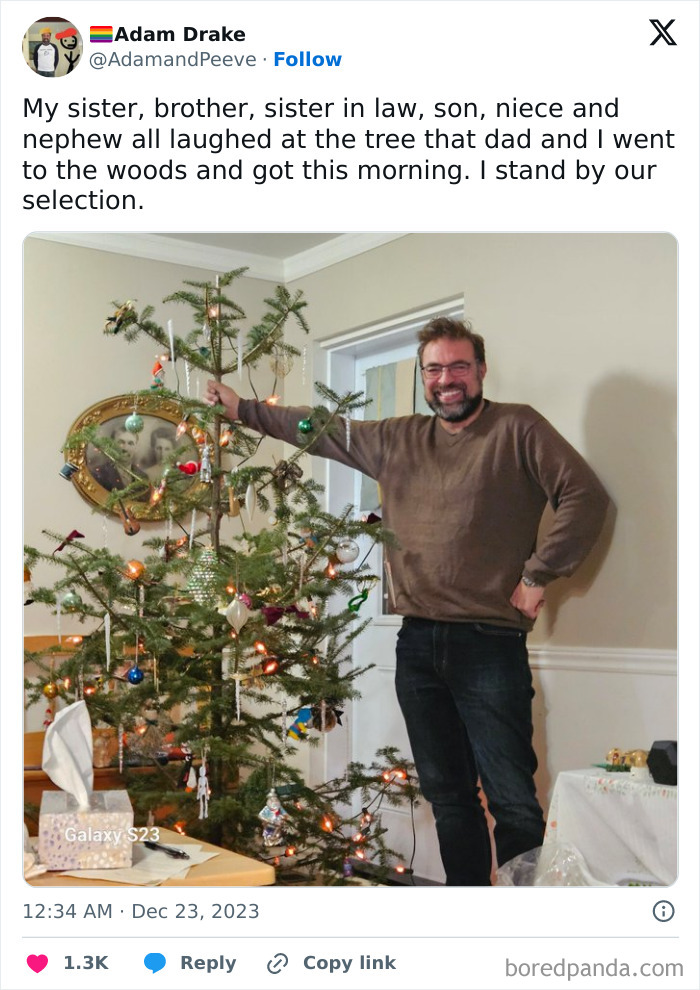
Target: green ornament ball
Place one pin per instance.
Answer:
(305, 426)
(71, 602)
(134, 423)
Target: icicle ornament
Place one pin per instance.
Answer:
(120, 730)
(192, 527)
(205, 469)
(251, 499)
(108, 643)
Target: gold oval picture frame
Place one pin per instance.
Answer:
(97, 476)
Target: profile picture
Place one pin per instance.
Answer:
(52, 47)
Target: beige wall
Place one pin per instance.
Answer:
(580, 326)
(583, 327)
(71, 364)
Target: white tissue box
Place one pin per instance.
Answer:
(96, 839)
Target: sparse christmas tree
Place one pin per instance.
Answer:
(225, 653)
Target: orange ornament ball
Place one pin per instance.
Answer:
(134, 569)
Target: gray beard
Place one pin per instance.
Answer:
(456, 413)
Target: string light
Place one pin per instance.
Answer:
(157, 493)
(74, 640)
(260, 647)
(179, 827)
(271, 666)
(392, 775)
(214, 309)
(272, 400)
(327, 823)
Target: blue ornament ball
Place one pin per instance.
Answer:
(135, 675)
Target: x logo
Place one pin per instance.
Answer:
(662, 31)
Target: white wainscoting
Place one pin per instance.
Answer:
(589, 700)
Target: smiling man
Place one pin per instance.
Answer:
(45, 55)
(464, 492)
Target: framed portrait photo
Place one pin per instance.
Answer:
(137, 459)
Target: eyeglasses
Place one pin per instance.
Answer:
(460, 369)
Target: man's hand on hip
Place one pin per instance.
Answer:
(527, 600)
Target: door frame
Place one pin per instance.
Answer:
(334, 362)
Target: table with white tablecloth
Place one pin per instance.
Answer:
(624, 827)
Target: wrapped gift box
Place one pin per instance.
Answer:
(97, 838)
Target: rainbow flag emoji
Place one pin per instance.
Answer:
(100, 32)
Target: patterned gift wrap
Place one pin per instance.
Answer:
(70, 839)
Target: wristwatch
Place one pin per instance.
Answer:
(529, 583)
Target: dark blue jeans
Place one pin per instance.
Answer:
(465, 690)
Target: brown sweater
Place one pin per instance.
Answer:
(465, 507)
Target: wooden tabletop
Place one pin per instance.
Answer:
(228, 869)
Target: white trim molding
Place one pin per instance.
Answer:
(331, 252)
(604, 661)
(584, 659)
(154, 247)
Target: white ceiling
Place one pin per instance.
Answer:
(280, 246)
(276, 257)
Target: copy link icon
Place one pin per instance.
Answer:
(277, 963)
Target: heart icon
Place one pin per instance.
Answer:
(37, 963)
